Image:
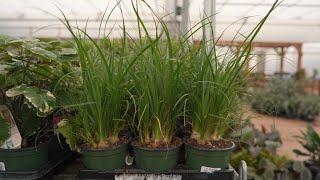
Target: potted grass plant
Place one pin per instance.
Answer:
(158, 99)
(100, 108)
(29, 70)
(218, 82)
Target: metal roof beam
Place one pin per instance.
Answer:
(270, 4)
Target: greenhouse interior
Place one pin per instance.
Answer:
(202, 89)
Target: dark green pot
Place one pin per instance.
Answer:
(156, 160)
(24, 159)
(197, 157)
(105, 159)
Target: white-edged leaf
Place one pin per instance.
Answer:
(13, 51)
(39, 49)
(42, 100)
(68, 52)
(43, 53)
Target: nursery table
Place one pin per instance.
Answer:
(180, 173)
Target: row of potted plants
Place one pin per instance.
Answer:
(140, 91)
(147, 87)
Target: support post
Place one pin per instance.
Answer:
(171, 19)
(209, 12)
(318, 87)
(261, 58)
(299, 58)
(185, 17)
(282, 54)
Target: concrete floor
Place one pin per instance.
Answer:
(288, 128)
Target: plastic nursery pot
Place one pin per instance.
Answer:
(215, 158)
(107, 159)
(24, 159)
(156, 160)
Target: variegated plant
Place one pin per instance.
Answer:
(34, 77)
(43, 101)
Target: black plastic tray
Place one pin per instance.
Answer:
(227, 174)
(43, 171)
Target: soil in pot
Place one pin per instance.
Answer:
(24, 159)
(215, 155)
(105, 159)
(159, 158)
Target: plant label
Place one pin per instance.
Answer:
(147, 177)
(206, 169)
(14, 140)
(2, 166)
(129, 160)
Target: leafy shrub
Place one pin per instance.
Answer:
(284, 97)
(34, 75)
(308, 106)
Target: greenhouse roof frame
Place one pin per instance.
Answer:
(293, 21)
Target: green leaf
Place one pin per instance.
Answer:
(16, 41)
(300, 153)
(4, 39)
(68, 51)
(13, 51)
(67, 130)
(54, 43)
(43, 53)
(42, 100)
(39, 49)
(2, 80)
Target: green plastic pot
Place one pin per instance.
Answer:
(217, 158)
(24, 159)
(104, 159)
(156, 160)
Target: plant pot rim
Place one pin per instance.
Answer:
(157, 149)
(211, 150)
(38, 146)
(110, 148)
